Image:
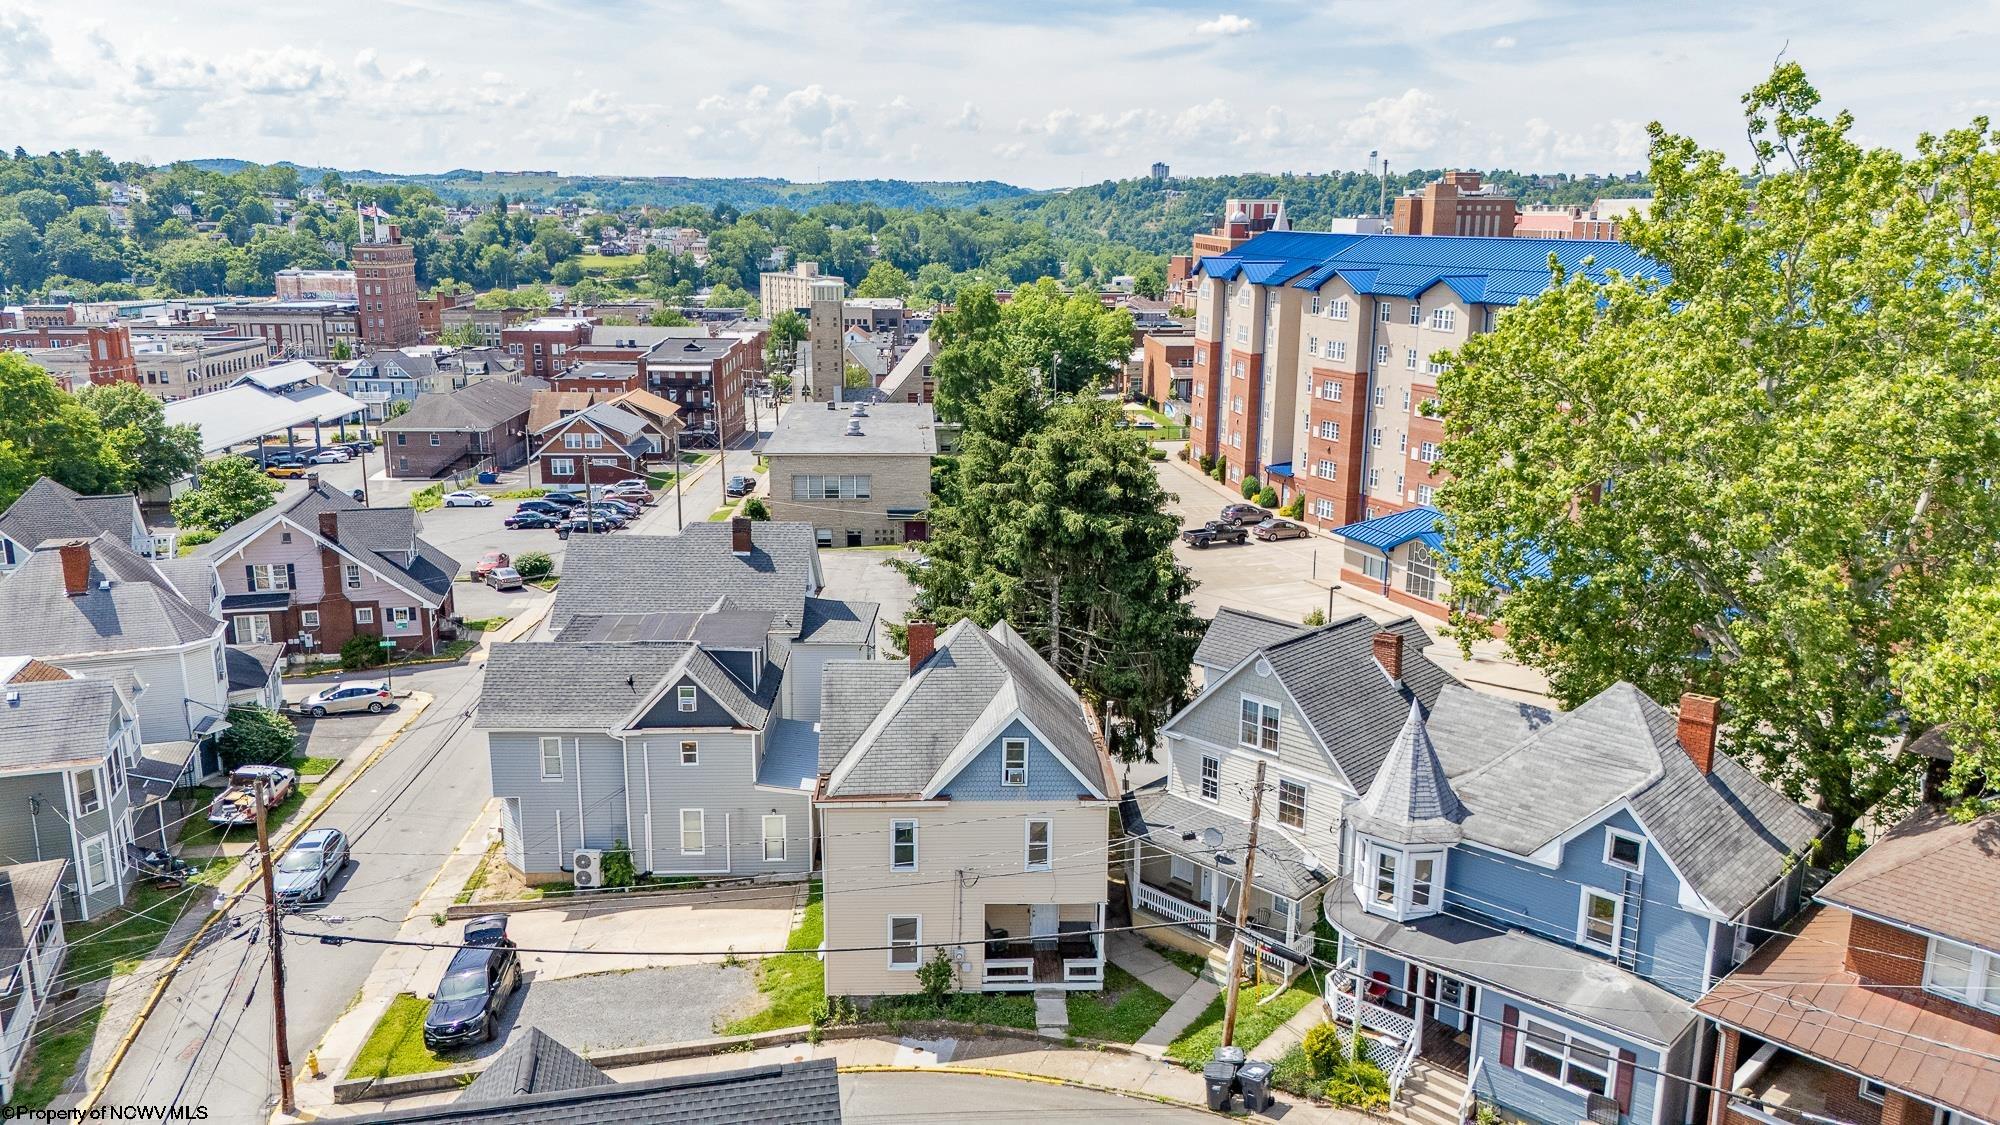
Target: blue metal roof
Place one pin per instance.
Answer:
(1500, 271)
(1281, 469)
(1386, 533)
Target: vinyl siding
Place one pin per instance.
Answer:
(980, 779)
(804, 670)
(303, 553)
(1216, 718)
(667, 713)
(1527, 1095)
(1325, 797)
(162, 707)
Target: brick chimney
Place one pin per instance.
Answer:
(739, 535)
(1389, 653)
(1696, 731)
(920, 640)
(76, 567)
(329, 526)
(312, 482)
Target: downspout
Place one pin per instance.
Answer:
(1368, 408)
(646, 762)
(582, 840)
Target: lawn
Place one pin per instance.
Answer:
(723, 513)
(424, 499)
(795, 981)
(486, 624)
(396, 1046)
(1192, 963)
(1121, 1013)
(200, 832)
(598, 263)
(992, 1009)
(476, 881)
(315, 767)
(1254, 1022)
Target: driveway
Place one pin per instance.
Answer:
(864, 574)
(880, 1099)
(601, 935)
(632, 1008)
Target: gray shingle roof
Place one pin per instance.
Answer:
(852, 693)
(797, 1093)
(1347, 700)
(690, 571)
(48, 510)
(25, 891)
(1283, 864)
(1410, 800)
(1728, 832)
(474, 408)
(833, 621)
(52, 724)
(380, 537)
(1236, 633)
(193, 577)
(564, 686)
(140, 610)
(250, 665)
(927, 718)
(533, 1062)
(733, 629)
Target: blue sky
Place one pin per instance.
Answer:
(1041, 94)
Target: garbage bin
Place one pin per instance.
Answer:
(1220, 1077)
(489, 477)
(1254, 1077)
(1229, 1053)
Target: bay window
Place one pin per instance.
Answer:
(1398, 883)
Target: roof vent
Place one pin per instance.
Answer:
(104, 583)
(831, 406)
(854, 427)
(861, 410)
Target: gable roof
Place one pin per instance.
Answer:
(1932, 873)
(795, 1093)
(533, 1063)
(49, 510)
(379, 538)
(417, 365)
(852, 693)
(835, 621)
(547, 407)
(594, 686)
(1236, 633)
(56, 724)
(140, 608)
(690, 571)
(473, 408)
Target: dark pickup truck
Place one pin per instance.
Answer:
(1213, 532)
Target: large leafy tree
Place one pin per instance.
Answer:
(137, 437)
(1765, 476)
(231, 490)
(1043, 329)
(45, 431)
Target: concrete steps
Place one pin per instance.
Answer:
(1052, 1012)
(1431, 1096)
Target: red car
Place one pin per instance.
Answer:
(489, 562)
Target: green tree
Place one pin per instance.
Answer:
(258, 736)
(970, 353)
(136, 435)
(341, 352)
(1952, 681)
(46, 432)
(228, 491)
(781, 343)
(668, 318)
(855, 376)
(1072, 334)
(464, 334)
(884, 280)
(1761, 478)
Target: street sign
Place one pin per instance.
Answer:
(388, 644)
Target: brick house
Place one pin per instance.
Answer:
(105, 353)
(320, 567)
(598, 444)
(544, 343)
(457, 430)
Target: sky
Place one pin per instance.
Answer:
(1037, 94)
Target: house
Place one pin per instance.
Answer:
(965, 804)
(1881, 1004)
(479, 424)
(67, 747)
(388, 376)
(48, 510)
(769, 568)
(319, 567)
(910, 380)
(31, 956)
(254, 675)
(599, 444)
(860, 475)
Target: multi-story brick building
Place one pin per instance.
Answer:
(77, 354)
(1243, 220)
(385, 278)
(1458, 204)
(706, 376)
(1166, 371)
(860, 475)
(431, 310)
(294, 329)
(178, 363)
(544, 343)
(791, 289)
(490, 322)
(457, 431)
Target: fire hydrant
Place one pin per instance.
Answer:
(312, 1065)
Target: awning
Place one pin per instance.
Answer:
(163, 767)
(1281, 469)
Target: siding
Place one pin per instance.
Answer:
(805, 667)
(1325, 797)
(980, 780)
(1217, 718)
(303, 552)
(1528, 1095)
(163, 713)
(667, 713)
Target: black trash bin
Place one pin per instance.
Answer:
(1220, 1077)
(1254, 1079)
(1229, 1053)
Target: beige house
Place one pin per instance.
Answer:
(860, 474)
(964, 803)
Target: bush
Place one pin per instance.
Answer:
(258, 736)
(1322, 1050)
(1207, 463)
(934, 977)
(363, 650)
(1250, 488)
(618, 867)
(424, 499)
(196, 536)
(1268, 498)
(534, 564)
(1153, 453)
(1358, 1085)
(1295, 509)
(754, 509)
(1315, 618)
(1220, 472)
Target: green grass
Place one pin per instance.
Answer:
(314, 767)
(1119, 1014)
(723, 513)
(486, 624)
(795, 981)
(424, 499)
(695, 458)
(477, 880)
(396, 1046)
(1254, 1022)
(1192, 963)
(992, 1009)
(200, 833)
(520, 493)
(601, 262)
(52, 1059)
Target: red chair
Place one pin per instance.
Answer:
(1378, 986)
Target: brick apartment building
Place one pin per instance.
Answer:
(1166, 370)
(1458, 204)
(385, 278)
(456, 431)
(294, 329)
(1244, 219)
(315, 285)
(490, 322)
(178, 363)
(77, 354)
(705, 372)
(544, 343)
(431, 310)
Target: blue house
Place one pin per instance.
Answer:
(1530, 901)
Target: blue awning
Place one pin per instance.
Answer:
(1386, 533)
(1281, 469)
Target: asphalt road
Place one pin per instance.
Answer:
(904, 1098)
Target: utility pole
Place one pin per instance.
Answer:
(361, 459)
(286, 1100)
(1242, 911)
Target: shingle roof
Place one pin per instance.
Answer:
(1931, 872)
(250, 665)
(689, 571)
(1284, 864)
(380, 537)
(1236, 633)
(53, 724)
(797, 1093)
(852, 693)
(25, 892)
(473, 408)
(1349, 702)
(533, 1062)
(832, 621)
(141, 609)
(194, 577)
(722, 628)
(48, 510)
(570, 686)
(1410, 800)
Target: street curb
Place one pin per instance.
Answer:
(1040, 1079)
(292, 833)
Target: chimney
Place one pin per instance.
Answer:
(739, 535)
(76, 567)
(329, 526)
(312, 482)
(920, 640)
(1389, 653)
(1696, 730)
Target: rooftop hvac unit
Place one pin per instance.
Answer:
(586, 868)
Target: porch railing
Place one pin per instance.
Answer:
(1174, 909)
(1011, 971)
(1393, 1044)
(1470, 1098)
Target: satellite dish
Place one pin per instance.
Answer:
(1211, 838)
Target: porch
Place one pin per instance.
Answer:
(1201, 897)
(1043, 945)
(1417, 1013)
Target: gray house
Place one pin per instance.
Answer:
(31, 954)
(47, 511)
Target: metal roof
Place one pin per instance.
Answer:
(1500, 271)
(1386, 533)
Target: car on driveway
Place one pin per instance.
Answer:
(529, 520)
(476, 986)
(1279, 529)
(1239, 515)
(236, 806)
(466, 498)
(333, 456)
(740, 486)
(357, 448)
(488, 562)
(1214, 532)
(546, 507)
(308, 868)
(372, 697)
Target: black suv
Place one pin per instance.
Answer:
(476, 986)
(1213, 532)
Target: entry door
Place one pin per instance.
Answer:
(1044, 921)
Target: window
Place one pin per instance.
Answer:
(1330, 390)
(1410, 358)
(562, 466)
(1040, 857)
(1622, 849)
(1259, 729)
(1873, 1091)
(1315, 303)
(1963, 973)
(437, 439)
(1423, 879)
(1323, 509)
(1381, 353)
(1386, 864)
(685, 697)
(401, 615)
(1374, 566)
(694, 832)
(1597, 921)
(1323, 468)
(1211, 777)
(97, 863)
(270, 576)
(906, 933)
(1312, 345)
(1421, 581)
(1014, 762)
(774, 838)
(1444, 320)
(1291, 803)
(1336, 349)
(593, 441)
(1549, 1052)
(309, 619)
(572, 441)
(690, 753)
(1337, 309)
(1376, 395)
(364, 615)
(902, 845)
(1383, 308)
(1416, 313)
(1434, 368)
(87, 799)
(351, 574)
(552, 759)
(1329, 429)
(1425, 494)
(1427, 452)
(1375, 437)
(807, 486)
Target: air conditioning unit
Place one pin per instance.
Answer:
(586, 868)
(1741, 951)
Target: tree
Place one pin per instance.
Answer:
(1764, 476)
(228, 491)
(1952, 681)
(781, 344)
(970, 356)
(464, 334)
(258, 736)
(668, 318)
(1072, 334)
(47, 433)
(884, 280)
(136, 435)
(341, 352)
(754, 509)
(855, 376)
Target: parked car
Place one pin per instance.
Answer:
(1279, 529)
(578, 525)
(505, 578)
(236, 806)
(466, 498)
(740, 486)
(476, 986)
(285, 471)
(1237, 515)
(308, 868)
(630, 493)
(274, 460)
(561, 501)
(527, 520)
(488, 562)
(372, 697)
(545, 507)
(603, 513)
(1144, 424)
(365, 445)
(332, 456)
(627, 508)
(1213, 532)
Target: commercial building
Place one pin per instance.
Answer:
(490, 322)
(316, 285)
(860, 475)
(544, 343)
(178, 363)
(1458, 204)
(294, 329)
(826, 347)
(76, 354)
(1244, 219)
(480, 424)
(791, 289)
(385, 275)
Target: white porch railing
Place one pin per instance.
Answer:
(1392, 1042)
(1276, 965)
(1011, 971)
(1082, 970)
(1470, 1098)
(1161, 904)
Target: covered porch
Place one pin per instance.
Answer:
(1043, 945)
(1201, 896)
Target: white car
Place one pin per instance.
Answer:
(466, 498)
(331, 457)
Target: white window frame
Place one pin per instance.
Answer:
(269, 577)
(546, 744)
(700, 832)
(915, 944)
(1611, 838)
(402, 616)
(1305, 793)
(765, 828)
(364, 615)
(1048, 845)
(1270, 717)
(91, 883)
(1011, 774)
(1872, 1091)
(896, 826)
(562, 466)
(1550, 1033)
(1583, 937)
(351, 575)
(690, 752)
(1337, 309)
(686, 698)
(97, 791)
(1209, 783)
(309, 619)
(1982, 975)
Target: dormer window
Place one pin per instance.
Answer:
(1399, 883)
(1260, 724)
(685, 698)
(1014, 762)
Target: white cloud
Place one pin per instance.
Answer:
(1504, 43)
(968, 120)
(1413, 125)
(287, 70)
(1226, 23)
(365, 63)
